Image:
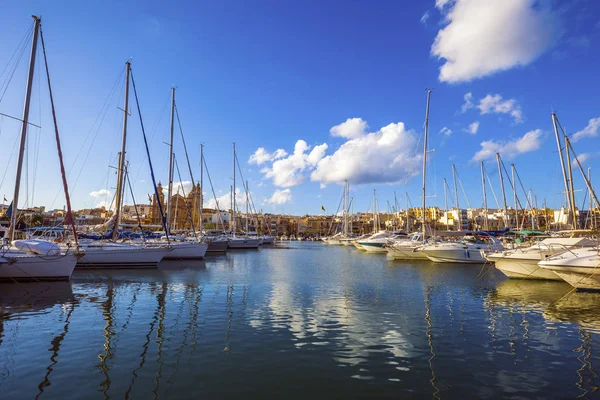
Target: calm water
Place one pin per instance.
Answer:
(298, 320)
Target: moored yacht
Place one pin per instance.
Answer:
(580, 268)
(407, 248)
(36, 260)
(376, 243)
(523, 262)
(468, 250)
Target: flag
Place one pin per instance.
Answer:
(322, 208)
(9, 210)
(5, 199)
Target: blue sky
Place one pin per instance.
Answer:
(270, 74)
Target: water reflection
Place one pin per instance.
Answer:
(319, 319)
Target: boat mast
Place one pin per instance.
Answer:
(571, 191)
(24, 124)
(200, 222)
(425, 163)
(375, 222)
(592, 202)
(458, 213)
(407, 216)
(485, 215)
(233, 192)
(246, 207)
(170, 184)
(562, 162)
(446, 202)
(512, 170)
(505, 216)
(121, 168)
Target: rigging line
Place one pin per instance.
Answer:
(160, 207)
(184, 146)
(15, 66)
(153, 134)
(463, 190)
(185, 197)
(9, 160)
(95, 126)
(214, 194)
(489, 181)
(23, 41)
(137, 214)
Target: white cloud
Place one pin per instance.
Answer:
(494, 104)
(441, 3)
(473, 127)
(288, 172)
(446, 131)
(181, 187)
(425, 17)
(531, 141)
(351, 129)
(100, 193)
(105, 204)
(280, 197)
(487, 36)
(261, 156)
(583, 157)
(224, 201)
(468, 102)
(387, 155)
(591, 130)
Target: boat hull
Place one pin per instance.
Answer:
(216, 246)
(406, 253)
(373, 247)
(462, 256)
(523, 268)
(36, 268)
(186, 251)
(241, 243)
(125, 258)
(581, 278)
(358, 246)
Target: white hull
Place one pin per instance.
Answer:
(463, 256)
(522, 268)
(358, 246)
(406, 253)
(122, 258)
(583, 278)
(373, 248)
(186, 250)
(36, 268)
(243, 243)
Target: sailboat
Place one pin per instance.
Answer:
(578, 267)
(32, 260)
(104, 254)
(376, 242)
(235, 241)
(409, 249)
(179, 249)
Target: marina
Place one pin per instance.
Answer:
(287, 321)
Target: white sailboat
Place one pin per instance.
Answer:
(235, 241)
(102, 254)
(469, 250)
(409, 249)
(32, 260)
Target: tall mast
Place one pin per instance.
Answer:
(458, 213)
(512, 170)
(571, 191)
(485, 215)
(562, 162)
(446, 201)
(505, 216)
(246, 207)
(407, 216)
(375, 222)
(425, 162)
(233, 191)
(201, 223)
(170, 185)
(592, 205)
(24, 123)
(121, 168)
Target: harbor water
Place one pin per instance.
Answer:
(298, 320)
